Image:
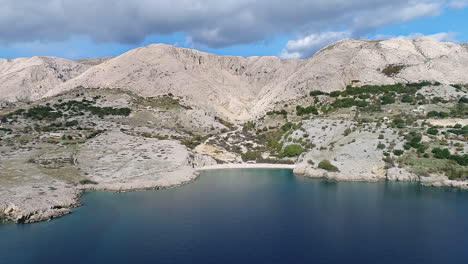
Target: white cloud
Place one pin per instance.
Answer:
(308, 45)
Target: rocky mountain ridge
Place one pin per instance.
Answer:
(240, 88)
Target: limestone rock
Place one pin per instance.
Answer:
(400, 174)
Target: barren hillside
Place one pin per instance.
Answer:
(240, 88)
(31, 78)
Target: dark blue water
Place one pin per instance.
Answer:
(253, 216)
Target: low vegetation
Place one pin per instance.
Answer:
(326, 165)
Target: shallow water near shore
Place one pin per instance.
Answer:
(253, 216)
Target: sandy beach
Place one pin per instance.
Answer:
(247, 166)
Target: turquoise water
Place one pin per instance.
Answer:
(253, 216)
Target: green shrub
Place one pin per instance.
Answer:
(326, 165)
(438, 114)
(280, 112)
(459, 131)
(348, 102)
(286, 126)
(248, 126)
(71, 123)
(441, 153)
(445, 154)
(364, 96)
(407, 99)
(398, 152)
(42, 112)
(293, 150)
(399, 123)
(437, 100)
(433, 131)
(421, 148)
(251, 155)
(388, 99)
(315, 93)
(392, 69)
(459, 110)
(347, 132)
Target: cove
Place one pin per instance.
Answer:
(252, 216)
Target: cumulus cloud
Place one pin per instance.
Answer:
(308, 45)
(212, 23)
(458, 4)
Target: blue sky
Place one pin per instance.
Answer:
(297, 29)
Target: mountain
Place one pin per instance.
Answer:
(30, 78)
(240, 88)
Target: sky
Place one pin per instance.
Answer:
(292, 29)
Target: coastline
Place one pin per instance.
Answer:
(9, 213)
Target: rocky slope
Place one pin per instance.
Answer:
(28, 79)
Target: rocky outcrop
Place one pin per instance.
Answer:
(200, 160)
(218, 153)
(400, 174)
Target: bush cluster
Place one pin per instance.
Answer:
(305, 111)
(348, 102)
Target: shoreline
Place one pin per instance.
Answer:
(247, 166)
(52, 213)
